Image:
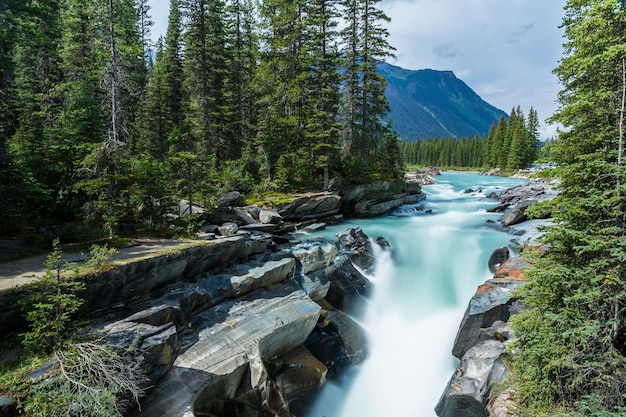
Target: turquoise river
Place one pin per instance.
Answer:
(422, 288)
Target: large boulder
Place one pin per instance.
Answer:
(224, 358)
(270, 217)
(156, 347)
(469, 389)
(349, 288)
(492, 302)
(315, 262)
(228, 229)
(534, 190)
(498, 257)
(311, 206)
(357, 245)
(337, 340)
(516, 214)
(231, 199)
(299, 376)
(379, 198)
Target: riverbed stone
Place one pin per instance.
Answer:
(299, 375)
(492, 302)
(349, 288)
(497, 258)
(354, 242)
(468, 391)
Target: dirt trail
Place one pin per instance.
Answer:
(23, 271)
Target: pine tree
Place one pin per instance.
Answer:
(365, 106)
(285, 99)
(173, 67)
(206, 66)
(36, 103)
(243, 36)
(323, 127)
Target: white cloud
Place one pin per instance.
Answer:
(504, 50)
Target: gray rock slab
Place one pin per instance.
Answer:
(215, 358)
(490, 304)
(469, 388)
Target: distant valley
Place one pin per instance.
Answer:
(428, 103)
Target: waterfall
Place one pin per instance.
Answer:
(422, 287)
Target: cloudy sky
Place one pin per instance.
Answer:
(505, 50)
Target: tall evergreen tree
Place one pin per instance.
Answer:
(206, 75)
(365, 107)
(284, 82)
(36, 103)
(173, 66)
(243, 37)
(324, 79)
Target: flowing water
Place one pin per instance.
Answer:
(421, 291)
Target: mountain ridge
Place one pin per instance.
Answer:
(430, 103)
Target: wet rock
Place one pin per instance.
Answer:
(383, 243)
(349, 288)
(354, 242)
(492, 302)
(337, 341)
(314, 227)
(516, 214)
(469, 388)
(299, 374)
(498, 257)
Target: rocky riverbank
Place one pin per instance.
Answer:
(235, 326)
(484, 332)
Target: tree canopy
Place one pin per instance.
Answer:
(100, 126)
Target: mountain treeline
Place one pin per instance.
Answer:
(511, 144)
(97, 123)
(570, 353)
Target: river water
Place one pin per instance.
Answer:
(421, 291)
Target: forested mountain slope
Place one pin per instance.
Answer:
(428, 103)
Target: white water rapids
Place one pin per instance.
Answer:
(421, 291)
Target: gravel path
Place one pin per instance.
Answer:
(23, 271)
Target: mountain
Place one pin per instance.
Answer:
(428, 103)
